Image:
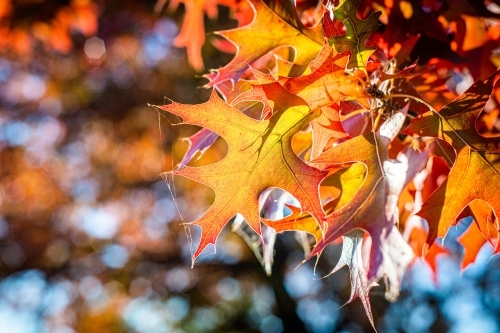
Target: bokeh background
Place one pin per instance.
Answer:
(91, 238)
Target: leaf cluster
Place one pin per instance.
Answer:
(328, 112)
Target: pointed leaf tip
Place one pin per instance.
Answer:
(255, 147)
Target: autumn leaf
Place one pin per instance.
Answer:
(369, 203)
(371, 150)
(271, 28)
(485, 220)
(352, 257)
(476, 171)
(192, 32)
(374, 206)
(415, 231)
(204, 138)
(328, 81)
(347, 180)
(417, 238)
(408, 18)
(390, 254)
(259, 157)
(198, 144)
(472, 240)
(326, 86)
(484, 228)
(326, 126)
(358, 31)
(331, 26)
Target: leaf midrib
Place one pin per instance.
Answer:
(358, 36)
(244, 183)
(472, 149)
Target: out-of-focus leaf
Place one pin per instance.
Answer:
(192, 32)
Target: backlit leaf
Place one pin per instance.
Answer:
(358, 31)
(476, 171)
(259, 157)
(271, 28)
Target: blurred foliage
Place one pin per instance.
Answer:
(90, 236)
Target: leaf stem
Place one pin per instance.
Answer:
(377, 120)
(447, 158)
(417, 99)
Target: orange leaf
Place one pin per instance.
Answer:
(476, 172)
(417, 242)
(485, 220)
(328, 81)
(259, 157)
(302, 221)
(472, 240)
(323, 88)
(369, 201)
(374, 205)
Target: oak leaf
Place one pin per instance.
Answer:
(371, 150)
(476, 171)
(472, 240)
(358, 31)
(325, 87)
(347, 180)
(259, 157)
(273, 26)
(415, 231)
(328, 81)
(371, 205)
(198, 144)
(484, 228)
(486, 222)
(354, 257)
(374, 206)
